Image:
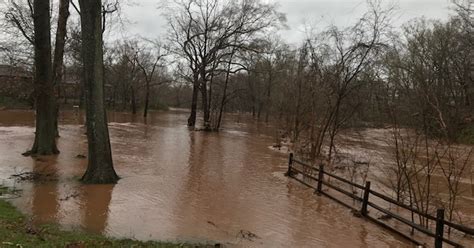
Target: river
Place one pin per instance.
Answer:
(179, 185)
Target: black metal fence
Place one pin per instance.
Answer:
(318, 176)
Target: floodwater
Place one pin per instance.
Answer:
(374, 146)
(179, 185)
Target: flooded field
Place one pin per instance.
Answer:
(179, 185)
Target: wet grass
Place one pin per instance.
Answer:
(16, 230)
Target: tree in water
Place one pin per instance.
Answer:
(203, 31)
(100, 167)
(19, 16)
(58, 61)
(45, 135)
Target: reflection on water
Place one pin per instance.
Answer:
(179, 184)
(45, 203)
(95, 206)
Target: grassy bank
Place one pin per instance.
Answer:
(17, 231)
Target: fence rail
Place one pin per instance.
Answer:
(308, 171)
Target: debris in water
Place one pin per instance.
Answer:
(357, 214)
(244, 234)
(385, 217)
(211, 223)
(33, 176)
(27, 153)
(73, 195)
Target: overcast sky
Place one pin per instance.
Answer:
(145, 18)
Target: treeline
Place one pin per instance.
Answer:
(136, 69)
(420, 77)
(223, 56)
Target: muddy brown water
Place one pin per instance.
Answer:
(179, 185)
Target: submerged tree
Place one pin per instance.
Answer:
(100, 167)
(19, 19)
(58, 61)
(203, 32)
(45, 135)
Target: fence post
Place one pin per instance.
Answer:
(439, 228)
(320, 178)
(290, 162)
(365, 201)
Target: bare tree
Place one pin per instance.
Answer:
(201, 33)
(148, 62)
(100, 167)
(349, 54)
(453, 162)
(58, 61)
(45, 135)
(19, 14)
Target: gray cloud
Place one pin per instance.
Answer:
(147, 20)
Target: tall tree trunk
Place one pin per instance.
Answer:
(147, 98)
(59, 54)
(252, 95)
(100, 167)
(45, 135)
(114, 95)
(178, 98)
(134, 101)
(224, 94)
(334, 127)
(260, 108)
(205, 106)
(268, 97)
(470, 80)
(192, 117)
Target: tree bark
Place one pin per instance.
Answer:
(147, 99)
(45, 135)
(192, 117)
(134, 100)
(269, 92)
(205, 106)
(224, 94)
(100, 167)
(58, 61)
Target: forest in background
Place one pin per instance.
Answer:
(224, 57)
(228, 54)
